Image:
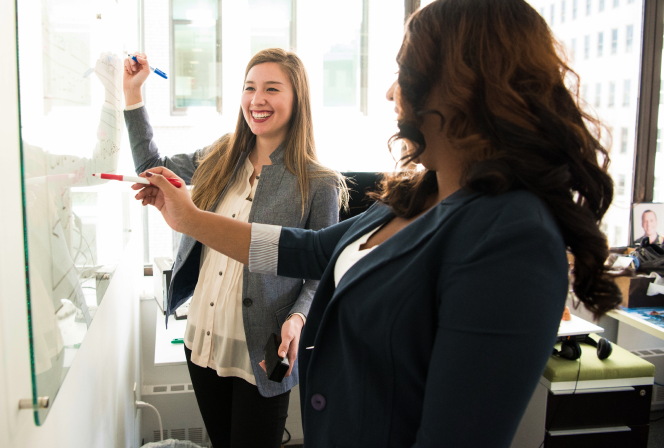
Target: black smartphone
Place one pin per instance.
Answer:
(275, 365)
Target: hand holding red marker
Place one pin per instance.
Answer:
(134, 179)
(175, 204)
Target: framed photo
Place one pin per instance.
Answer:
(648, 220)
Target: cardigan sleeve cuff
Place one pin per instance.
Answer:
(135, 106)
(264, 248)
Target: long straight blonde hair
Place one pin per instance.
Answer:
(216, 167)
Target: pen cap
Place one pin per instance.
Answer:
(160, 73)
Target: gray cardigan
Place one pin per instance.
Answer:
(267, 299)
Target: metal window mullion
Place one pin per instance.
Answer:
(648, 104)
(219, 55)
(364, 59)
(410, 6)
(293, 26)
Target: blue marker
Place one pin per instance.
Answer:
(155, 70)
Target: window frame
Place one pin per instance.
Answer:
(648, 106)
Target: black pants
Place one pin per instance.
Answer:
(235, 413)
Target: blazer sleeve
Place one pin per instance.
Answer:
(499, 313)
(323, 213)
(144, 149)
(306, 253)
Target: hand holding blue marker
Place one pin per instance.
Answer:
(155, 70)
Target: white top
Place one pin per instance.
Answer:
(351, 255)
(215, 330)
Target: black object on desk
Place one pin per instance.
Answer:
(275, 365)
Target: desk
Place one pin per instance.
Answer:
(589, 403)
(636, 322)
(165, 353)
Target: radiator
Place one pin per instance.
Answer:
(179, 412)
(654, 356)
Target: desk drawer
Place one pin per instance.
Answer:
(635, 437)
(601, 409)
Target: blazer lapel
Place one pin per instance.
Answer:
(415, 234)
(240, 162)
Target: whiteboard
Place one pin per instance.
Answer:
(70, 55)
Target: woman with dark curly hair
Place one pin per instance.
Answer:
(438, 308)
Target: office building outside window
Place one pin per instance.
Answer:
(573, 49)
(616, 3)
(196, 56)
(575, 7)
(601, 5)
(600, 44)
(562, 11)
(620, 185)
(612, 94)
(553, 14)
(626, 93)
(622, 25)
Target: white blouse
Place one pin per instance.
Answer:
(215, 329)
(351, 255)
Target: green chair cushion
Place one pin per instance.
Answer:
(621, 364)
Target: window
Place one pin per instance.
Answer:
(196, 55)
(553, 12)
(626, 93)
(629, 38)
(598, 94)
(573, 48)
(584, 93)
(542, 11)
(612, 93)
(624, 135)
(601, 5)
(616, 3)
(272, 25)
(586, 47)
(344, 58)
(562, 12)
(588, 7)
(600, 44)
(575, 7)
(614, 41)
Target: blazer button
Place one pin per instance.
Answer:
(318, 402)
(247, 302)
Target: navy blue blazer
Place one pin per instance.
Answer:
(437, 337)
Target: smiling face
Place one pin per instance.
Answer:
(649, 223)
(267, 101)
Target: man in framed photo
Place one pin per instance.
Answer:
(649, 224)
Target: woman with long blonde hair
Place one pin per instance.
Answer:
(265, 172)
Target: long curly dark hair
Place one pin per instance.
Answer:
(495, 64)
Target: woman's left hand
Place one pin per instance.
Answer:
(290, 341)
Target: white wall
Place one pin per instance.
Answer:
(94, 407)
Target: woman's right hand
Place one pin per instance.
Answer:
(174, 203)
(135, 74)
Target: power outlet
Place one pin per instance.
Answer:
(135, 400)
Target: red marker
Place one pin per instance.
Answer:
(135, 179)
